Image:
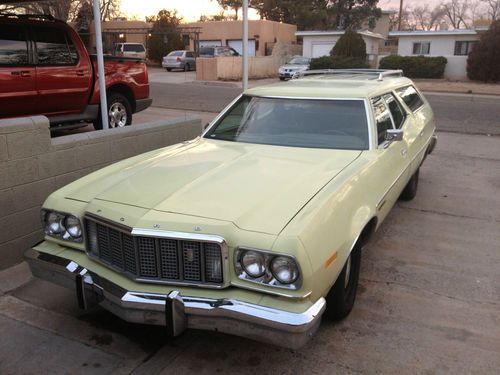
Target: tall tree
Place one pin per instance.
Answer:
(83, 21)
(164, 35)
(456, 12)
(493, 9)
(235, 5)
(426, 18)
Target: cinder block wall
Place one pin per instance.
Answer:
(32, 165)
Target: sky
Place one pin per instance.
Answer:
(191, 10)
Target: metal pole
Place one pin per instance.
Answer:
(100, 65)
(245, 45)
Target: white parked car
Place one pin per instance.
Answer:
(296, 64)
(130, 50)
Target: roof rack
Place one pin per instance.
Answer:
(46, 17)
(377, 74)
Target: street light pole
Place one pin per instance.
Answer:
(100, 65)
(245, 45)
(400, 14)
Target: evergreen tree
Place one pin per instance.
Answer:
(165, 37)
(483, 63)
(351, 44)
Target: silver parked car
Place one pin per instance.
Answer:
(296, 64)
(185, 60)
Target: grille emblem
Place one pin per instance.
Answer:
(189, 255)
(197, 229)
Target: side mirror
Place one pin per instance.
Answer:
(392, 135)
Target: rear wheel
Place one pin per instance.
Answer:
(340, 298)
(410, 190)
(119, 112)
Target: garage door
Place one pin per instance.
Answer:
(210, 43)
(238, 46)
(321, 49)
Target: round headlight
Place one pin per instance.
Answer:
(54, 223)
(73, 226)
(285, 270)
(253, 263)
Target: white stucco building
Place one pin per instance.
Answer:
(320, 43)
(455, 45)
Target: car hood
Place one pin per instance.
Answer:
(257, 187)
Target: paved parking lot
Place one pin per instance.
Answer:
(428, 302)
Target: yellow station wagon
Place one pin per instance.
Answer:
(256, 227)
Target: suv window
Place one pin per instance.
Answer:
(207, 51)
(410, 97)
(398, 114)
(53, 48)
(13, 45)
(382, 118)
(133, 48)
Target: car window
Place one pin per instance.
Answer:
(133, 48)
(410, 97)
(53, 48)
(310, 123)
(299, 61)
(176, 54)
(397, 112)
(207, 51)
(13, 45)
(382, 118)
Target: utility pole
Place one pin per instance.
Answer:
(400, 14)
(245, 45)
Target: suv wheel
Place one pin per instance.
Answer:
(119, 112)
(340, 298)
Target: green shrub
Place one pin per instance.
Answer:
(483, 63)
(416, 66)
(350, 44)
(338, 62)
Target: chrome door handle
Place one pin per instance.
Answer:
(404, 152)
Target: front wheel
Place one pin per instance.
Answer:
(119, 112)
(340, 298)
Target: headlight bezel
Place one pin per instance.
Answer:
(268, 278)
(64, 233)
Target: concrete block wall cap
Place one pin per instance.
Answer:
(18, 124)
(41, 122)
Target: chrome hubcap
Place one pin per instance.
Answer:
(117, 115)
(347, 272)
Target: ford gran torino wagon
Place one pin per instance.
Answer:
(256, 227)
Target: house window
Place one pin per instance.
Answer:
(463, 48)
(421, 48)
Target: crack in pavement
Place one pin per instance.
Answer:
(448, 214)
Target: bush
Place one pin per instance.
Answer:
(483, 63)
(338, 62)
(416, 66)
(350, 44)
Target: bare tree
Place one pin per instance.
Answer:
(456, 11)
(427, 19)
(493, 9)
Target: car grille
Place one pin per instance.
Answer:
(165, 260)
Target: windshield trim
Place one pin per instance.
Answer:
(236, 100)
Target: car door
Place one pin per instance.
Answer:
(418, 129)
(64, 78)
(17, 73)
(392, 159)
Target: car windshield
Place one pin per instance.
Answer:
(299, 61)
(175, 53)
(311, 123)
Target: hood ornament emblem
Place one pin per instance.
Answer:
(197, 229)
(156, 226)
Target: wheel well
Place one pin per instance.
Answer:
(126, 91)
(367, 232)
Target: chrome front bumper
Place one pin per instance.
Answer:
(177, 312)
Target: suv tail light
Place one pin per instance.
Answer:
(179, 59)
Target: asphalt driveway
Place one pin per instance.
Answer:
(429, 299)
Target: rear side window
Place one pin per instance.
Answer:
(53, 48)
(398, 114)
(13, 46)
(410, 97)
(207, 51)
(176, 54)
(133, 48)
(382, 118)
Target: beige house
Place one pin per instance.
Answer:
(262, 35)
